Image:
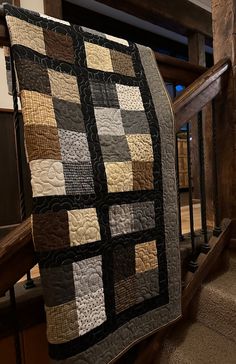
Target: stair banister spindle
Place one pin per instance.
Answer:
(217, 228)
(181, 237)
(16, 326)
(205, 246)
(192, 264)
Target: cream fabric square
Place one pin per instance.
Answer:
(83, 226)
(98, 57)
(129, 97)
(109, 121)
(145, 257)
(47, 178)
(140, 146)
(26, 34)
(37, 108)
(117, 40)
(64, 86)
(119, 176)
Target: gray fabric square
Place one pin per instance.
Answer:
(104, 94)
(109, 121)
(74, 146)
(147, 285)
(78, 178)
(68, 115)
(143, 216)
(88, 276)
(114, 148)
(58, 284)
(120, 219)
(135, 122)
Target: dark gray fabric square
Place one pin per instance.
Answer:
(114, 148)
(135, 122)
(78, 178)
(147, 285)
(68, 115)
(104, 94)
(58, 284)
(143, 216)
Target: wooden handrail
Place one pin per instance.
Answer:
(200, 93)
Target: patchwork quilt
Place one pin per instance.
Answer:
(100, 142)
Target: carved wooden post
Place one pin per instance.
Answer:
(224, 36)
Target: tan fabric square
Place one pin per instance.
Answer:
(143, 175)
(42, 142)
(122, 63)
(64, 86)
(140, 146)
(98, 57)
(37, 108)
(145, 257)
(83, 226)
(119, 176)
(26, 34)
(47, 177)
(62, 323)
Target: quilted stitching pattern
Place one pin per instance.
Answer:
(104, 222)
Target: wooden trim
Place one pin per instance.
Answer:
(53, 8)
(200, 93)
(180, 16)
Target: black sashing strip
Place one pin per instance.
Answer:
(100, 181)
(69, 202)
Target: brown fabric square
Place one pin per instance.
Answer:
(122, 63)
(33, 76)
(42, 142)
(142, 175)
(51, 230)
(123, 261)
(58, 46)
(125, 294)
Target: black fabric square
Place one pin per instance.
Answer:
(104, 94)
(33, 76)
(123, 261)
(68, 115)
(78, 178)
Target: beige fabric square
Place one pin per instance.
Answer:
(117, 40)
(26, 34)
(119, 176)
(37, 108)
(64, 86)
(98, 57)
(83, 226)
(129, 97)
(140, 146)
(60, 330)
(145, 257)
(47, 178)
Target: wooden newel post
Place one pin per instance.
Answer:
(224, 39)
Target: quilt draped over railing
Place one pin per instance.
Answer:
(100, 142)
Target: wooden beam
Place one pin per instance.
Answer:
(53, 8)
(224, 31)
(181, 16)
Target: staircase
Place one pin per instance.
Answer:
(209, 334)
